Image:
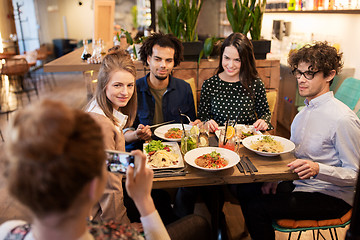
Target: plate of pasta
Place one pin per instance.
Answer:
(171, 132)
(268, 145)
(211, 158)
(163, 155)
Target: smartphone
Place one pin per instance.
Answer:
(118, 161)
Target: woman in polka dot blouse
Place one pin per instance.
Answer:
(235, 89)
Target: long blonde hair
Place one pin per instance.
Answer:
(115, 60)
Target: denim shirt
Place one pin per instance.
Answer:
(178, 95)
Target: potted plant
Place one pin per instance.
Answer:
(180, 18)
(133, 43)
(246, 16)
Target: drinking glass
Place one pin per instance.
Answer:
(188, 142)
(238, 132)
(228, 143)
(203, 134)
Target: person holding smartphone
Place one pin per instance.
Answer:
(114, 107)
(56, 167)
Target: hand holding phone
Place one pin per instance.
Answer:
(118, 161)
(139, 184)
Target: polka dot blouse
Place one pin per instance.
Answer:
(220, 99)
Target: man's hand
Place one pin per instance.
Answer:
(269, 187)
(304, 168)
(143, 132)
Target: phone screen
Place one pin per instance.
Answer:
(119, 161)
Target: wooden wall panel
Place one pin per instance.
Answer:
(104, 20)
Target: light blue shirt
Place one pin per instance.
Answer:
(326, 131)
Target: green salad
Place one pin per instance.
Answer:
(155, 145)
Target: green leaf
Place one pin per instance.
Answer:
(129, 39)
(230, 14)
(201, 54)
(135, 52)
(208, 46)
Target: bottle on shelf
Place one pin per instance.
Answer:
(292, 5)
(86, 53)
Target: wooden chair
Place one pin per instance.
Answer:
(42, 54)
(272, 96)
(290, 225)
(17, 70)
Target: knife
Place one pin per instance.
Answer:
(159, 124)
(166, 174)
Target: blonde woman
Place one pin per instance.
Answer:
(114, 108)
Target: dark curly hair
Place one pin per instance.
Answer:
(163, 40)
(321, 56)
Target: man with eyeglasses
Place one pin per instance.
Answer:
(327, 138)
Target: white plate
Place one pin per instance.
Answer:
(243, 126)
(288, 145)
(160, 131)
(229, 155)
(175, 148)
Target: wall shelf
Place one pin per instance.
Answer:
(347, 11)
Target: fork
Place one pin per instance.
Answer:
(184, 115)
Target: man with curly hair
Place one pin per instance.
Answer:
(160, 95)
(327, 138)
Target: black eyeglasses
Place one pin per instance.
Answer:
(309, 75)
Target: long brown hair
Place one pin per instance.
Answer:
(248, 72)
(115, 60)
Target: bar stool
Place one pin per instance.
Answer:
(291, 225)
(16, 70)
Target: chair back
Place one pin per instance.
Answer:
(349, 92)
(41, 52)
(15, 67)
(272, 100)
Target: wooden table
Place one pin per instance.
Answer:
(270, 169)
(70, 62)
(6, 55)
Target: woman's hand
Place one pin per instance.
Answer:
(196, 122)
(143, 132)
(261, 125)
(139, 184)
(213, 126)
(304, 168)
